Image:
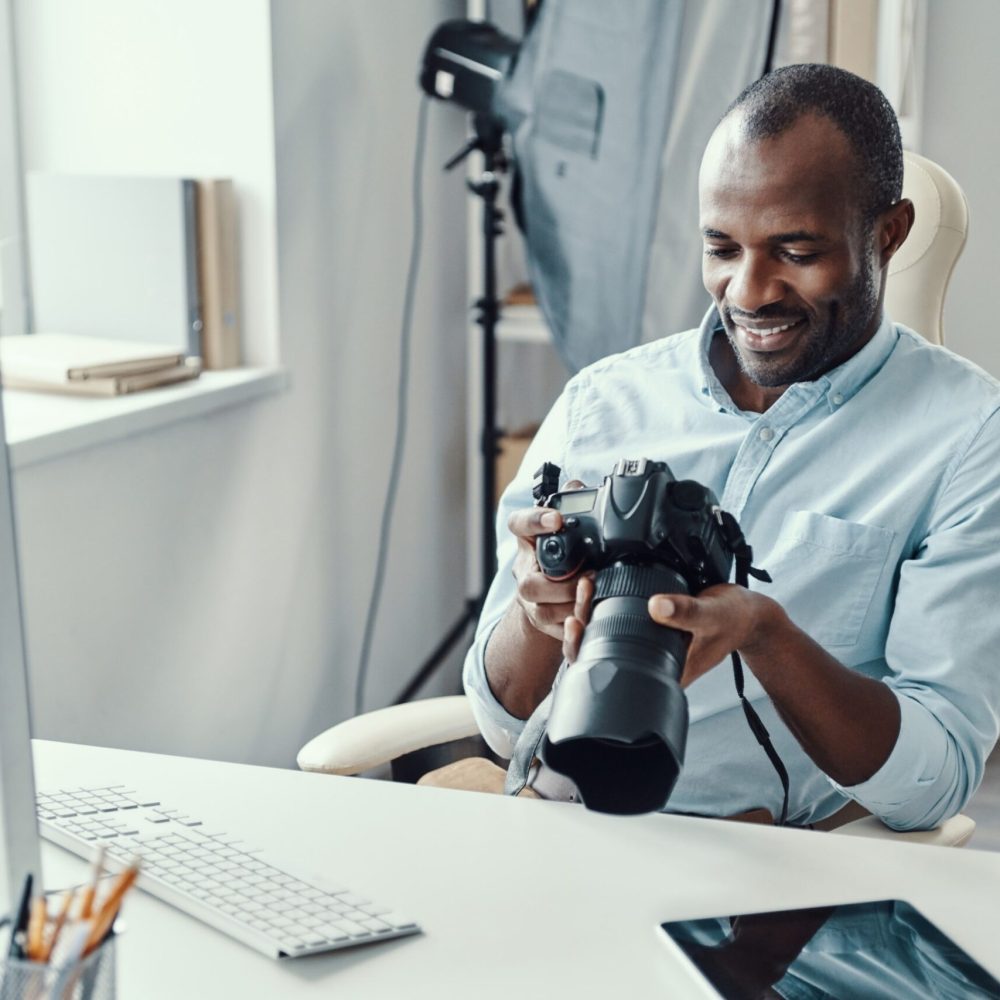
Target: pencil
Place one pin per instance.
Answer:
(101, 923)
(36, 929)
(58, 926)
(96, 870)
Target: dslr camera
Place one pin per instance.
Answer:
(619, 718)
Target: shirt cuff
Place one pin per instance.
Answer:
(901, 791)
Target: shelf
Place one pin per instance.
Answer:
(523, 324)
(42, 426)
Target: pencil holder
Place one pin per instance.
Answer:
(92, 978)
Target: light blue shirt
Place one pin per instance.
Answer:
(872, 497)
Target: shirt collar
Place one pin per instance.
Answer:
(837, 386)
(846, 379)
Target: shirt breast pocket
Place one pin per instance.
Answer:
(825, 573)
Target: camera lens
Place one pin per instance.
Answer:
(618, 725)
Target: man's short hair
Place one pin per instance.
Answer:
(772, 104)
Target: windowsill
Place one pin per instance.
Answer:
(41, 426)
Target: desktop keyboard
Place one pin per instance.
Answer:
(212, 876)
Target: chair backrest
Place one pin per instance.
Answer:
(920, 271)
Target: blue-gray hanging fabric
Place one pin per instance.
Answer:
(610, 107)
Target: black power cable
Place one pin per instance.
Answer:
(406, 325)
(772, 37)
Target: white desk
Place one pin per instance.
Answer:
(516, 898)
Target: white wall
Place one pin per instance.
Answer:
(960, 132)
(126, 87)
(201, 589)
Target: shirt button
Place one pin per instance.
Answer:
(836, 399)
(766, 434)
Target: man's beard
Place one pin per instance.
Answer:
(825, 345)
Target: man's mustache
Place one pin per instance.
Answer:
(768, 312)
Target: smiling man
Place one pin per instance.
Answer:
(862, 462)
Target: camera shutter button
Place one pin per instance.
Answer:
(571, 522)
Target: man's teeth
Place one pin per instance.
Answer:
(770, 332)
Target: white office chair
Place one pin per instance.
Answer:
(920, 271)
(918, 279)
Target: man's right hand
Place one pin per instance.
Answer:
(525, 650)
(546, 603)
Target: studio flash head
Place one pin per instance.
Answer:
(465, 62)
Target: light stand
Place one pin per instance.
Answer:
(488, 140)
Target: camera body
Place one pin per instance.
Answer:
(640, 514)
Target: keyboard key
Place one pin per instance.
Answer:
(349, 899)
(332, 933)
(351, 928)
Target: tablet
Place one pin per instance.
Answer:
(882, 950)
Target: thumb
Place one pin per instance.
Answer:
(678, 610)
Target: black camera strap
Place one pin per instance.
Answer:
(759, 730)
(743, 558)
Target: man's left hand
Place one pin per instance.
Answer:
(720, 619)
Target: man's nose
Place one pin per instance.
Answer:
(754, 284)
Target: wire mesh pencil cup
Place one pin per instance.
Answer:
(92, 978)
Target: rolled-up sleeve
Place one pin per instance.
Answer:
(943, 648)
(500, 729)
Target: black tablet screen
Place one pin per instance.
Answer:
(882, 950)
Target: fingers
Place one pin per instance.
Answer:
(584, 598)
(676, 610)
(536, 588)
(531, 521)
(549, 618)
(572, 637)
(576, 622)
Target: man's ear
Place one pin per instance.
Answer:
(893, 226)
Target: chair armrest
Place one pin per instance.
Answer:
(954, 832)
(381, 736)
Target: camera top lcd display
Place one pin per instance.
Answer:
(577, 501)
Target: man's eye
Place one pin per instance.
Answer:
(798, 258)
(719, 251)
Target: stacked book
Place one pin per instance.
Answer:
(152, 260)
(90, 366)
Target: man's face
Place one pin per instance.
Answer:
(788, 261)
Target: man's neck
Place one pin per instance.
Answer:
(744, 392)
(754, 398)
